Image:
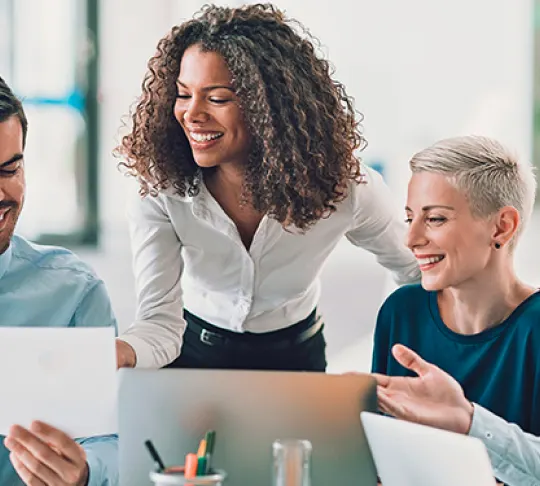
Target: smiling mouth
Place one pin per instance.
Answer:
(3, 216)
(205, 137)
(429, 262)
(3, 213)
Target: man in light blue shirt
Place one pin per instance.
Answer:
(44, 286)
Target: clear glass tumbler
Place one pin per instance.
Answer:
(292, 462)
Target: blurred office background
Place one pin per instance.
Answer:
(418, 70)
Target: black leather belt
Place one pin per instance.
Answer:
(281, 339)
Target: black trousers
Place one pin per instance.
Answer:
(275, 350)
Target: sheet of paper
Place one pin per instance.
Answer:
(63, 376)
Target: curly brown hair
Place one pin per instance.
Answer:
(302, 122)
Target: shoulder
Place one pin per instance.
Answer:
(407, 295)
(371, 196)
(406, 300)
(51, 259)
(529, 316)
(152, 206)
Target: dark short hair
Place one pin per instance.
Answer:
(11, 105)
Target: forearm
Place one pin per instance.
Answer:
(156, 342)
(514, 454)
(378, 229)
(102, 459)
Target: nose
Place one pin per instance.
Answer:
(416, 235)
(195, 112)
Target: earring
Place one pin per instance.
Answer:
(497, 245)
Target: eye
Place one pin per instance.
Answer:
(183, 96)
(10, 172)
(436, 219)
(408, 220)
(219, 101)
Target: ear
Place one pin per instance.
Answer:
(506, 221)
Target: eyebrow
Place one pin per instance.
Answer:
(208, 88)
(433, 206)
(11, 161)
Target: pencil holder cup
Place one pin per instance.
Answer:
(175, 477)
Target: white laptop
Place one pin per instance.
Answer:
(408, 454)
(248, 410)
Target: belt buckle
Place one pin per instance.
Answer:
(206, 337)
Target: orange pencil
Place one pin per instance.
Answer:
(202, 449)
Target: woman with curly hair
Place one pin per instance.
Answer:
(243, 146)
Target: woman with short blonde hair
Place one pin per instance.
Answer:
(471, 318)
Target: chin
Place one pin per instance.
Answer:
(432, 284)
(204, 163)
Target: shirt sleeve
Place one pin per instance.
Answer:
(156, 334)
(378, 229)
(514, 454)
(102, 459)
(95, 308)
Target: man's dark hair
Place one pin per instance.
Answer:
(11, 105)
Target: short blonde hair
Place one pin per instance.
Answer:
(485, 171)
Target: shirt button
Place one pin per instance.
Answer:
(489, 435)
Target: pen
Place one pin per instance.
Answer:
(210, 443)
(155, 456)
(201, 466)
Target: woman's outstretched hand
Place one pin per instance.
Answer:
(432, 398)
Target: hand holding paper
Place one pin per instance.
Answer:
(45, 455)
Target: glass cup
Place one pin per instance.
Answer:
(175, 476)
(292, 462)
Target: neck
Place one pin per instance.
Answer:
(228, 176)
(484, 301)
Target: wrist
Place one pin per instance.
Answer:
(85, 476)
(466, 417)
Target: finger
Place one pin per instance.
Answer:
(42, 453)
(409, 359)
(382, 380)
(27, 477)
(60, 441)
(391, 406)
(381, 405)
(30, 469)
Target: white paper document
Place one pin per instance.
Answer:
(65, 377)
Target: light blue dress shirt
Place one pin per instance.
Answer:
(47, 286)
(514, 454)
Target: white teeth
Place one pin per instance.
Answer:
(427, 261)
(205, 137)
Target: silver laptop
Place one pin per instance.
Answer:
(408, 454)
(248, 410)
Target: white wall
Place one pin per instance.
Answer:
(422, 70)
